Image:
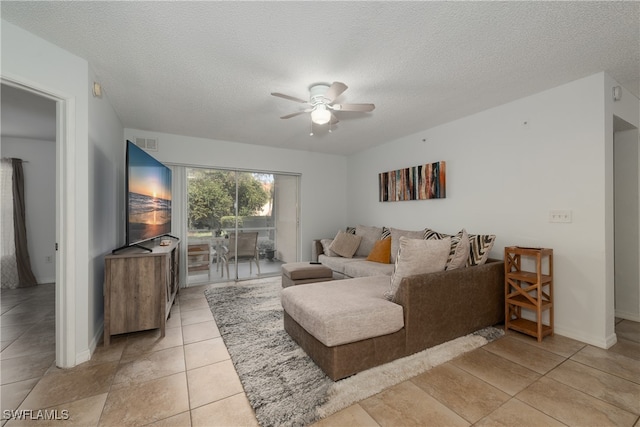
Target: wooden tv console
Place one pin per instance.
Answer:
(140, 287)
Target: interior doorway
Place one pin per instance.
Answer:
(30, 131)
(65, 325)
(626, 168)
(240, 224)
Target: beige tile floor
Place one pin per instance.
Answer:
(187, 378)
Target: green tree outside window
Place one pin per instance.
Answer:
(212, 196)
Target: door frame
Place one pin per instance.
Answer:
(65, 281)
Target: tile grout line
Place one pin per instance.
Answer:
(186, 375)
(603, 371)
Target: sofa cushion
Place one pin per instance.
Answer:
(343, 311)
(338, 263)
(459, 253)
(345, 244)
(367, 268)
(395, 239)
(370, 235)
(381, 251)
(418, 256)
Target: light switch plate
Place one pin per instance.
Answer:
(558, 215)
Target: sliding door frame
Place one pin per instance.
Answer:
(181, 230)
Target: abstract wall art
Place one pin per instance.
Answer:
(415, 183)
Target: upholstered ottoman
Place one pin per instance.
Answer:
(300, 273)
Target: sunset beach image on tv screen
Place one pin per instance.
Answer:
(149, 198)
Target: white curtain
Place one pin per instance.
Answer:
(179, 222)
(10, 278)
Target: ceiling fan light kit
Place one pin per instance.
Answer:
(320, 104)
(320, 115)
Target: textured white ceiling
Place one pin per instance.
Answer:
(206, 69)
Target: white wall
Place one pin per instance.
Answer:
(323, 181)
(36, 63)
(507, 167)
(627, 231)
(32, 62)
(106, 199)
(40, 200)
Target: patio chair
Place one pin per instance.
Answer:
(199, 256)
(247, 249)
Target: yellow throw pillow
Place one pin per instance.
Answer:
(381, 251)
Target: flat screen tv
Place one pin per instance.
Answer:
(148, 186)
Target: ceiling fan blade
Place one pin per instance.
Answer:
(354, 107)
(335, 90)
(288, 116)
(333, 120)
(289, 97)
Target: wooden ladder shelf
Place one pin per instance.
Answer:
(529, 290)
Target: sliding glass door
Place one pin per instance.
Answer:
(241, 224)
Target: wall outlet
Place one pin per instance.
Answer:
(560, 216)
(48, 259)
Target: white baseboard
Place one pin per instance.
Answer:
(611, 340)
(85, 355)
(600, 342)
(634, 317)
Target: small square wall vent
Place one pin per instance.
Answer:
(149, 144)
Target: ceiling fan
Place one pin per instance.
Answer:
(321, 103)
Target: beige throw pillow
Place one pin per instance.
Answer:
(345, 244)
(418, 256)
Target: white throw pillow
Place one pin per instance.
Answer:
(418, 256)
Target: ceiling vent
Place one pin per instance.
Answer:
(149, 144)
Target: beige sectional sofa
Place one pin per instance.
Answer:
(347, 326)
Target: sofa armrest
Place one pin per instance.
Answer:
(316, 250)
(441, 306)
